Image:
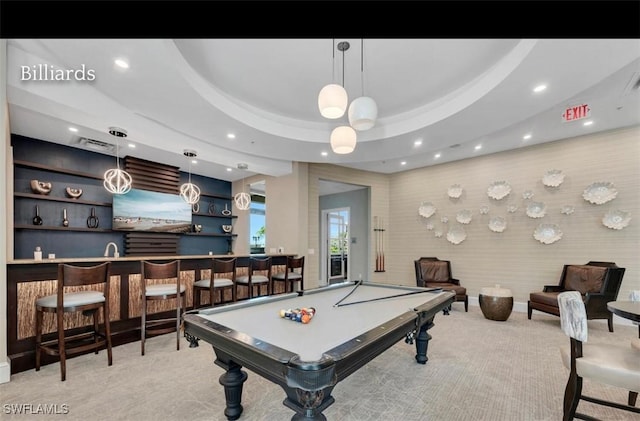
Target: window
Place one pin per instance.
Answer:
(257, 224)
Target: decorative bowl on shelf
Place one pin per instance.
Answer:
(426, 209)
(41, 187)
(547, 233)
(600, 192)
(498, 190)
(616, 219)
(455, 191)
(227, 228)
(553, 178)
(73, 192)
(536, 210)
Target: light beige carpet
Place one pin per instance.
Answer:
(478, 369)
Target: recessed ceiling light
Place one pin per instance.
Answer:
(527, 136)
(132, 145)
(323, 153)
(231, 135)
(194, 161)
(539, 88)
(436, 156)
(229, 169)
(121, 63)
(417, 142)
(588, 123)
(478, 147)
(403, 163)
(73, 129)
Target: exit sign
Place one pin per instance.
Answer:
(576, 112)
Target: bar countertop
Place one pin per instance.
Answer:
(100, 259)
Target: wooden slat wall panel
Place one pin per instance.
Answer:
(144, 244)
(153, 176)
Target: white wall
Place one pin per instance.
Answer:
(5, 238)
(514, 258)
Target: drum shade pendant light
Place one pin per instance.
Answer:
(333, 99)
(117, 181)
(189, 191)
(242, 199)
(363, 111)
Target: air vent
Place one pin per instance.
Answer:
(96, 145)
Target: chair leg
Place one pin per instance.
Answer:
(143, 324)
(61, 349)
(107, 332)
(178, 313)
(466, 303)
(529, 310)
(196, 298)
(633, 397)
(96, 329)
(610, 322)
(572, 394)
(39, 314)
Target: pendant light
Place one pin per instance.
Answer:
(189, 191)
(363, 111)
(242, 199)
(117, 181)
(333, 99)
(343, 140)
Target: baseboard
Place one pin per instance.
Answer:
(521, 307)
(5, 372)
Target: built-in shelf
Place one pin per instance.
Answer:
(216, 196)
(52, 228)
(213, 216)
(61, 199)
(209, 234)
(28, 164)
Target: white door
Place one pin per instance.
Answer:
(335, 245)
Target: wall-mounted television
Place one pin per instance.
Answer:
(144, 210)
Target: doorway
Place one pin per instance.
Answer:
(335, 245)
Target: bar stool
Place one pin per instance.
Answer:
(66, 301)
(250, 280)
(220, 283)
(161, 291)
(294, 273)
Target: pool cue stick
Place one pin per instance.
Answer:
(358, 283)
(375, 236)
(390, 296)
(382, 244)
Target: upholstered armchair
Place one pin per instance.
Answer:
(597, 282)
(432, 272)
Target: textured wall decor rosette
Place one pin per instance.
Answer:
(597, 193)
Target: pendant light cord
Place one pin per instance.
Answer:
(362, 65)
(333, 63)
(343, 67)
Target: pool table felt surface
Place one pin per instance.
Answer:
(330, 326)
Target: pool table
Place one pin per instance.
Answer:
(354, 322)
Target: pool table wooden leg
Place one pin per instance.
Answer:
(422, 341)
(308, 404)
(232, 380)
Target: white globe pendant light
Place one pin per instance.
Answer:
(332, 101)
(343, 140)
(363, 112)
